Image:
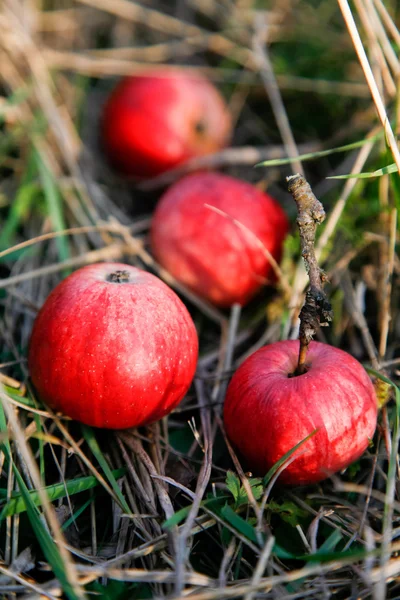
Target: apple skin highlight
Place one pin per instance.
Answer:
(113, 355)
(161, 118)
(219, 255)
(267, 411)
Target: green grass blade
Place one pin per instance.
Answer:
(180, 515)
(18, 211)
(40, 530)
(331, 541)
(16, 395)
(5, 444)
(91, 441)
(378, 173)
(314, 155)
(17, 505)
(42, 466)
(54, 204)
(45, 540)
(324, 556)
(285, 457)
(19, 95)
(77, 513)
(20, 207)
(248, 531)
(177, 517)
(239, 523)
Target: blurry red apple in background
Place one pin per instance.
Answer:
(268, 411)
(157, 120)
(217, 258)
(113, 347)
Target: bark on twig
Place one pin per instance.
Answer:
(317, 310)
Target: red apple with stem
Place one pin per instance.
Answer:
(269, 409)
(291, 389)
(113, 346)
(157, 120)
(210, 231)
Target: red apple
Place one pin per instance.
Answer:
(113, 346)
(219, 255)
(159, 119)
(268, 410)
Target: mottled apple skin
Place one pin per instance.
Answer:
(208, 251)
(157, 120)
(267, 412)
(113, 355)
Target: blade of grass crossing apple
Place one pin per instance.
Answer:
(41, 532)
(91, 441)
(285, 457)
(54, 204)
(17, 505)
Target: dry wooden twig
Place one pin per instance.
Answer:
(317, 310)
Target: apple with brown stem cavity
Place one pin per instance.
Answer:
(210, 231)
(304, 397)
(113, 346)
(159, 119)
(269, 410)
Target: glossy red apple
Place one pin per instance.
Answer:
(159, 119)
(113, 347)
(268, 411)
(209, 251)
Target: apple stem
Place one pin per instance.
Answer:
(118, 277)
(317, 310)
(301, 363)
